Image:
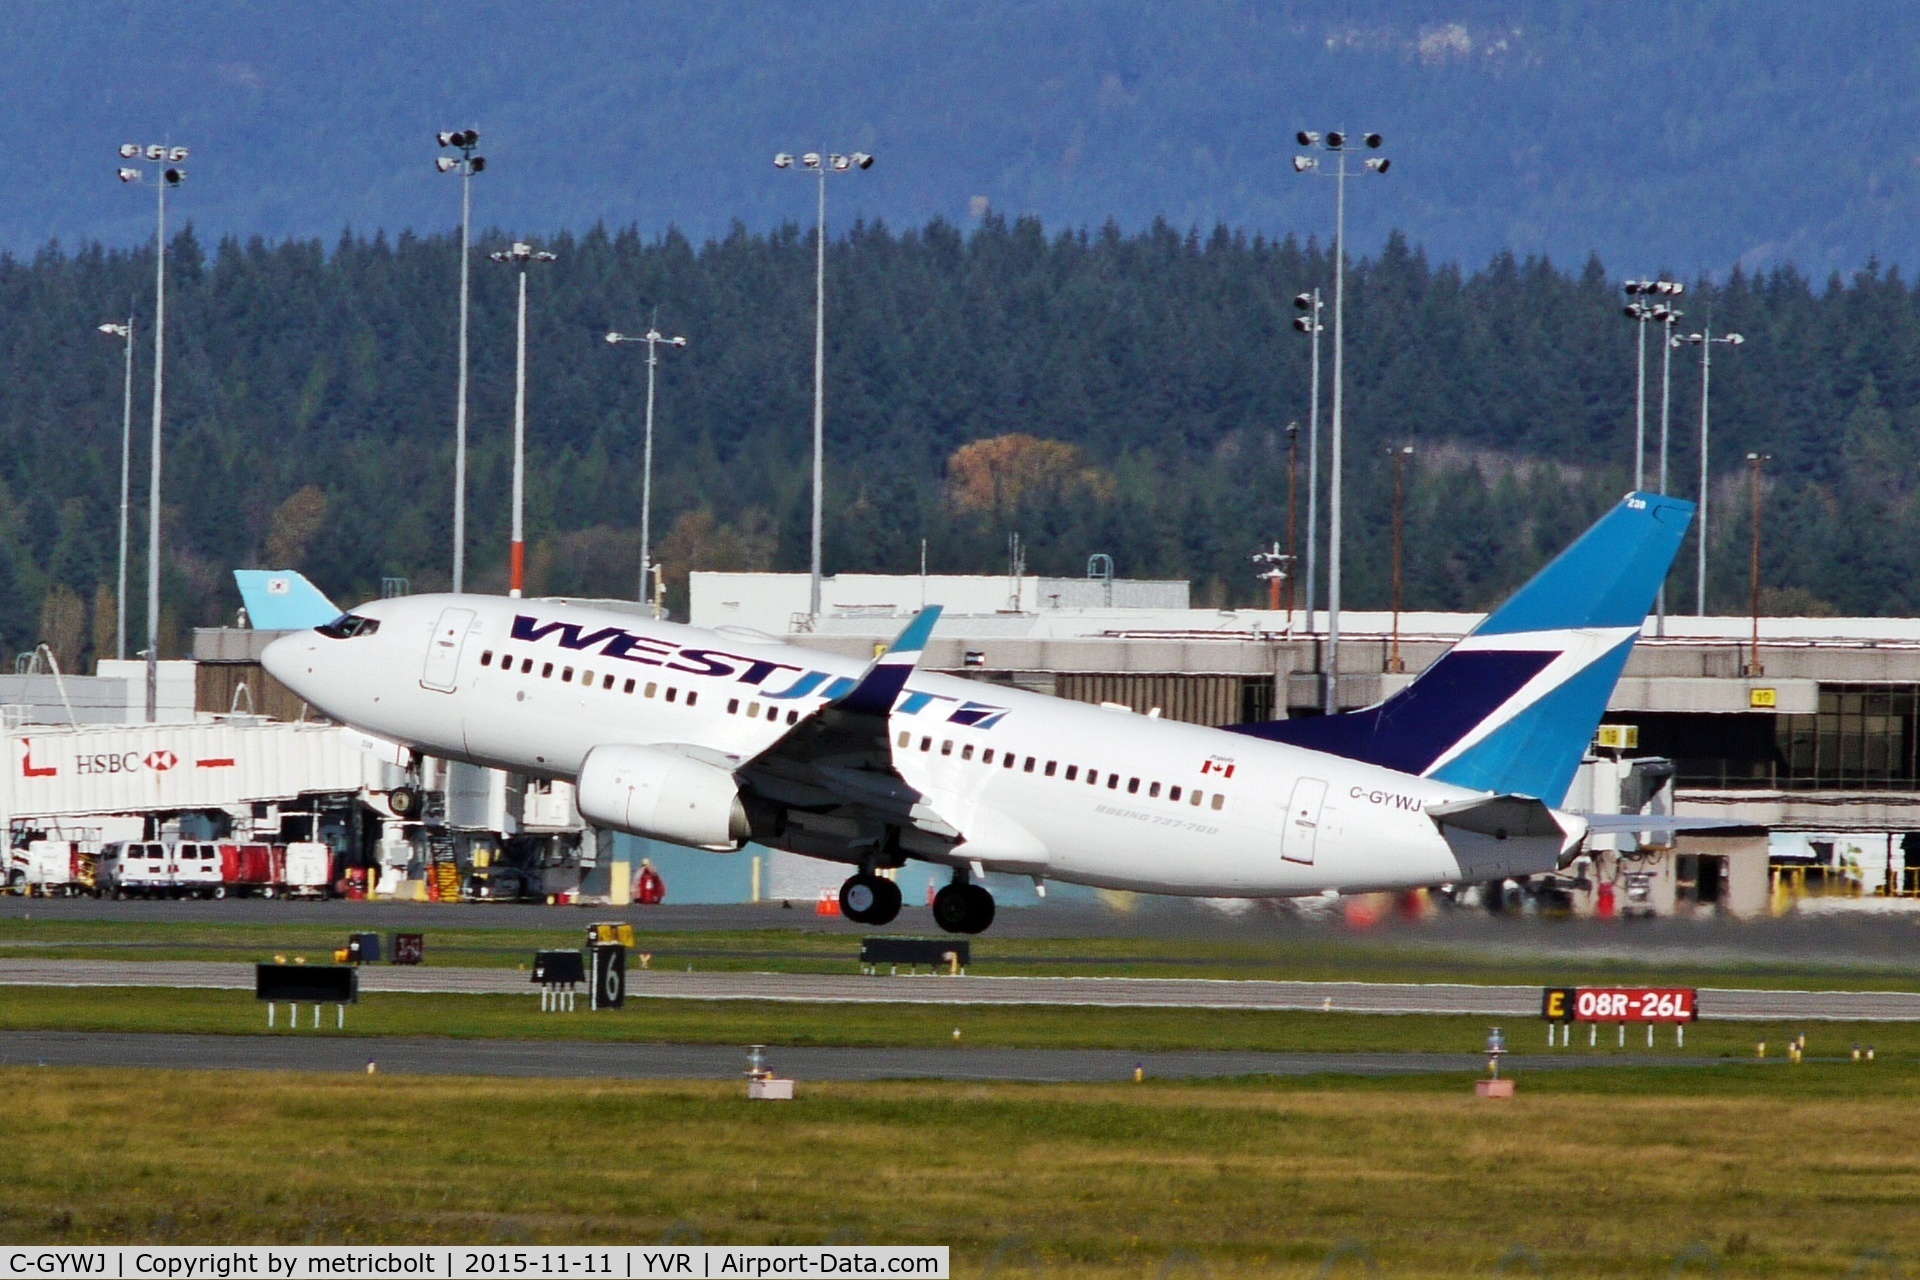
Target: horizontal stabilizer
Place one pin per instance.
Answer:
(1501, 836)
(282, 600)
(1608, 824)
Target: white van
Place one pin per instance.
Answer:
(136, 868)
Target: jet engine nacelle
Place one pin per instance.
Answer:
(663, 795)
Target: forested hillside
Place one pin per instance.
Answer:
(311, 387)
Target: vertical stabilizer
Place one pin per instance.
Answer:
(1512, 707)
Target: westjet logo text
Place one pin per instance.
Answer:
(622, 645)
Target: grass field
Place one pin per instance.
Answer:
(1306, 954)
(1743, 1171)
(782, 1023)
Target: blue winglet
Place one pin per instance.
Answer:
(884, 680)
(282, 600)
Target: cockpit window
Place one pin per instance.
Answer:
(349, 625)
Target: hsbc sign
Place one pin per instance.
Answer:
(124, 762)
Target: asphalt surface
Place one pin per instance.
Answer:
(816, 988)
(308, 1051)
(1856, 943)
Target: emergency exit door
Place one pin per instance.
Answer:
(443, 651)
(1301, 831)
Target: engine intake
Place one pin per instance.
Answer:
(663, 795)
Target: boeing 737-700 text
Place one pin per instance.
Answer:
(711, 740)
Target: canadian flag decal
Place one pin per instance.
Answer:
(1221, 765)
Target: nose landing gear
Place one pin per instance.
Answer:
(869, 899)
(963, 907)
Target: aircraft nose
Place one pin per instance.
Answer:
(289, 660)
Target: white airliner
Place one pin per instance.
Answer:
(705, 739)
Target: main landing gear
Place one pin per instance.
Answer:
(963, 907)
(869, 899)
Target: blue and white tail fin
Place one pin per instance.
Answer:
(1513, 706)
(282, 600)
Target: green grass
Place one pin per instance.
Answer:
(1744, 1171)
(781, 1023)
(1308, 954)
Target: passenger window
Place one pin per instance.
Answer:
(1113, 782)
(673, 693)
(753, 711)
(773, 713)
(1133, 786)
(986, 757)
(1073, 771)
(906, 739)
(629, 688)
(586, 678)
(946, 748)
(1030, 764)
(966, 752)
(1173, 793)
(1198, 796)
(526, 665)
(1010, 759)
(486, 658)
(1093, 777)
(1051, 766)
(926, 744)
(793, 717)
(652, 688)
(1153, 790)
(1218, 800)
(566, 674)
(607, 683)
(693, 696)
(546, 670)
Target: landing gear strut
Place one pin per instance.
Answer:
(869, 899)
(963, 907)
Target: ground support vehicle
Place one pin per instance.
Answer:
(50, 868)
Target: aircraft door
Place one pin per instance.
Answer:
(443, 650)
(1302, 828)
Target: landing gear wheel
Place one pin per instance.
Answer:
(404, 801)
(963, 908)
(866, 899)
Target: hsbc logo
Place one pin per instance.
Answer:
(161, 761)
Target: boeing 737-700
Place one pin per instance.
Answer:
(710, 740)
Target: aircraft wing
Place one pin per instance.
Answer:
(840, 756)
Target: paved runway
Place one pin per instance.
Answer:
(818, 988)
(574, 1059)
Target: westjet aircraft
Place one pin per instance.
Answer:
(706, 739)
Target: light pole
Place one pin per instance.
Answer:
(1293, 469)
(521, 255)
(466, 164)
(1640, 312)
(124, 332)
(654, 340)
(1309, 323)
(1401, 456)
(832, 163)
(1669, 317)
(1339, 143)
(1754, 460)
(1705, 341)
(166, 162)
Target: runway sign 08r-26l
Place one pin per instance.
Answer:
(1619, 1004)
